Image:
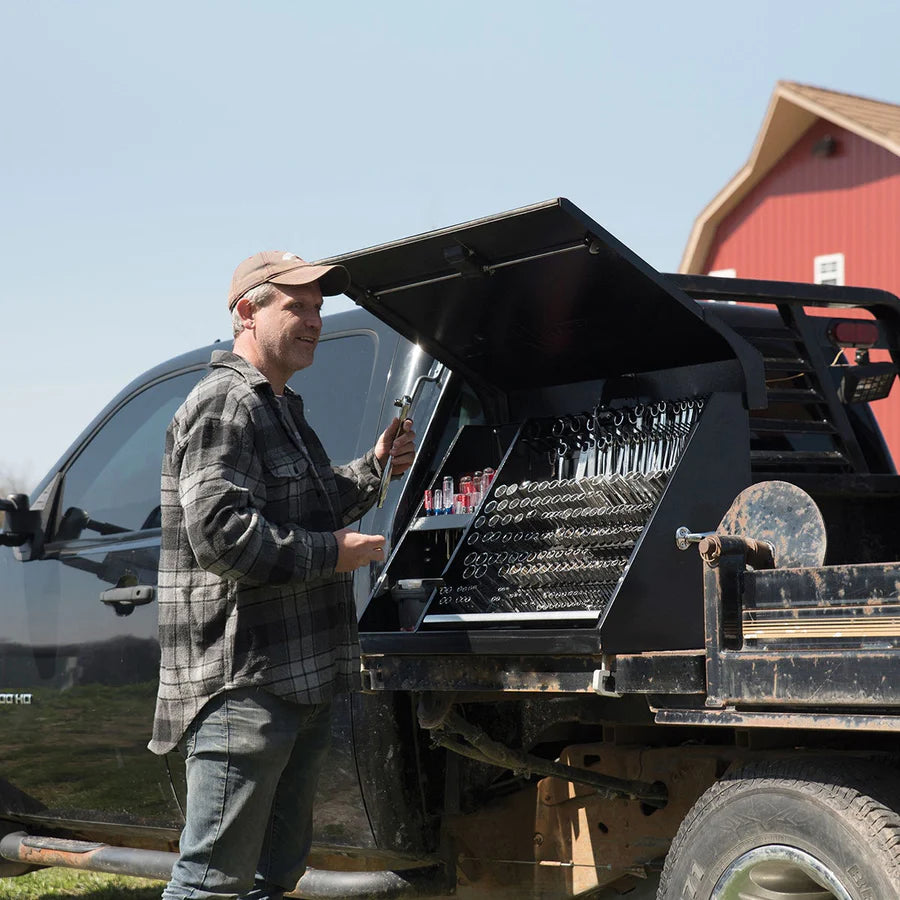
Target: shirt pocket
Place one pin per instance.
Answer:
(280, 465)
(288, 481)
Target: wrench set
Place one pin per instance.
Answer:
(615, 441)
(562, 544)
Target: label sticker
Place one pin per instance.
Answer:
(15, 699)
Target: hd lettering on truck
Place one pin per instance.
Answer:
(664, 629)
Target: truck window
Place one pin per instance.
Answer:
(115, 478)
(335, 390)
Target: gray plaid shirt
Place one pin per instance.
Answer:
(248, 594)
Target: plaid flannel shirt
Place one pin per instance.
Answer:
(248, 594)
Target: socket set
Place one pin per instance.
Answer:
(559, 547)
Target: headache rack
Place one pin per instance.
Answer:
(811, 392)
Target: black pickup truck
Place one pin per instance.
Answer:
(648, 639)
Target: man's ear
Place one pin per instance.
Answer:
(245, 310)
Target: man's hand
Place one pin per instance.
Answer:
(398, 444)
(356, 550)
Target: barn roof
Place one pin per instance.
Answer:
(792, 111)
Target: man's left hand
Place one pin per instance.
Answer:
(397, 444)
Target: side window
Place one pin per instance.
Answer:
(335, 390)
(114, 480)
(828, 269)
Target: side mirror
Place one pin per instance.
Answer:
(21, 523)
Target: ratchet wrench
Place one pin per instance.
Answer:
(404, 403)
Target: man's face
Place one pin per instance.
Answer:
(287, 329)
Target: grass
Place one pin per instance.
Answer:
(61, 883)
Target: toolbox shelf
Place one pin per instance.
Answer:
(446, 522)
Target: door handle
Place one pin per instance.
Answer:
(137, 595)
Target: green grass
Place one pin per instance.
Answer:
(59, 883)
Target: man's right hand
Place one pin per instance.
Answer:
(356, 550)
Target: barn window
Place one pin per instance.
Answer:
(828, 269)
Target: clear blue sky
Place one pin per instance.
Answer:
(149, 147)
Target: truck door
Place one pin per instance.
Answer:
(80, 650)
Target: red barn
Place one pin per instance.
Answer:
(818, 200)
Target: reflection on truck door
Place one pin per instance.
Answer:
(87, 650)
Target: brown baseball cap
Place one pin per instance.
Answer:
(281, 267)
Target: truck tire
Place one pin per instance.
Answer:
(790, 830)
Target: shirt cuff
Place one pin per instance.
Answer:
(323, 556)
(372, 461)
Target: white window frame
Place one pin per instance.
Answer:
(828, 269)
(723, 273)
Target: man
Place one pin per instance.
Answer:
(257, 624)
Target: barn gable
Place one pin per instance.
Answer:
(793, 110)
(821, 188)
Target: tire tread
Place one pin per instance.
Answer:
(869, 794)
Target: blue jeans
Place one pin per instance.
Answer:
(252, 763)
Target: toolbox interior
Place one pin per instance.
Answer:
(579, 519)
(573, 340)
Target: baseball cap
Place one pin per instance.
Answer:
(280, 267)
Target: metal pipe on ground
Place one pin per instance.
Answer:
(94, 857)
(316, 884)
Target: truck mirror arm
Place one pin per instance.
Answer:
(75, 521)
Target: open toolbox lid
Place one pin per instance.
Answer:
(535, 297)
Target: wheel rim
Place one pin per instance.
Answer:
(777, 872)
